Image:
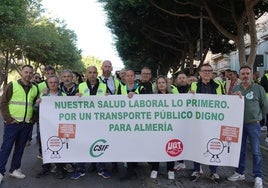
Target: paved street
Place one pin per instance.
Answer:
(31, 165)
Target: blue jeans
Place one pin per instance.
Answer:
(16, 133)
(213, 169)
(252, 131)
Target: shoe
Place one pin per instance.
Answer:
(266, 139)
(17, 174)
(236, 176)
(264, 128)
(39, 156)
(179, 166)
(1, 178)
(53, 169)
(43, 172)
(215, 177)
(194, 176)
(258, 183)
(104, 174)
(77, 174)
(69, 168)
(153, 174)
(201, 170)
(171, 175)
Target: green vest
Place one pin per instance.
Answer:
(84, 90)
(116, 84)
(21, 104)
(41, 86)
(141, 87)
(174, 89)
(123, 89)
(194, 88)
(222, 84)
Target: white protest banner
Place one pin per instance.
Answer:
(198, 127)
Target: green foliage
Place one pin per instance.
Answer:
(28, 38)
(165, 33)
(92, 61)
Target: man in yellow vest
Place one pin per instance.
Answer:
(17, 110)
(42, 87)
(205, 85)
(92, 86)
(112, 83)
(145, 86)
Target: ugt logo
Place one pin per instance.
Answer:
(98, 148)
(174, 147)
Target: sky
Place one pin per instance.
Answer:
(87, 19)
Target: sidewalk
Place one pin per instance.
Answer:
(31, 165)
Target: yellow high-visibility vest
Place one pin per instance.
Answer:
(21, 104)
(84, 90)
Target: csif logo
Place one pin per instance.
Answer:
(98, 148)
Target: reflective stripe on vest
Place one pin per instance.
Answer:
(21, 104)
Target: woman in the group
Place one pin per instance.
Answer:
(130, 85)
(162, 87)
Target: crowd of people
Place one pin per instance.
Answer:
(21, 99)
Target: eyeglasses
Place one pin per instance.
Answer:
(206, 71)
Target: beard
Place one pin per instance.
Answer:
(245, 81)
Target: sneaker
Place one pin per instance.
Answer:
(264, 128)
(194, 176)
(266, 139)
(171, 175)
(39, 156)
(17, 174)
(69, 168)
(104, 174)
(201, 170)
(236, 176)
(153, 174)
(258, 183)
(215, 177)
(1, 178)
(179, 166)
(77, 174)
(43, 172)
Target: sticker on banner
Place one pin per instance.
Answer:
(98, 148)
(174, 147)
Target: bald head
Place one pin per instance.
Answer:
(92, 73)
